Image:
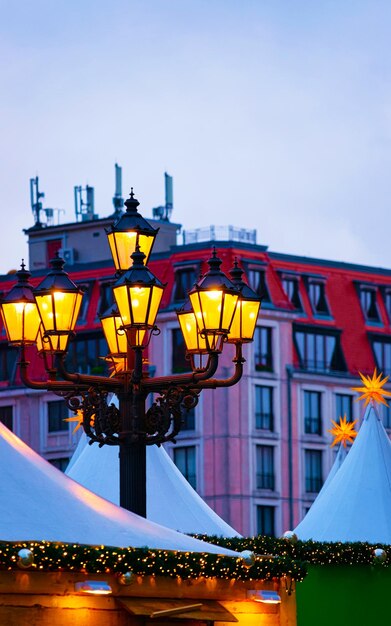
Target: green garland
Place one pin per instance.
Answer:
(313, 552)
(290, 559)
(146, 562)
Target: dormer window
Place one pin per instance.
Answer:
(387, 302)
(368, 303)
(185, 277)
(257, 281)
(290, 284)
(317, 296)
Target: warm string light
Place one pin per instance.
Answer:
(291, 562)
(143, 562)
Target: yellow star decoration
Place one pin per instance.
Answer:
(79, 419)
(373, 389)
(343, 432)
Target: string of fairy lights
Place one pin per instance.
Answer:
(46, 556)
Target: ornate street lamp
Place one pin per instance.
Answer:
(58, 300)
(214, 298)
(130, 231)
(47, 315)
(246, 313)
(19, 311)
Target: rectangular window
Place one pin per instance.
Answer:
(52, 247)
(344, 406)
(265, 520)
(312, 413)
(291, 287)
(264, 417)
(6, 416)
(87, 290)
(85, 352)
(317, 296)
(188, 419)
(313, 471)
(263, 348)
(320, 352)
(8, 362)
(61, 464)
(368, 304)
(179, 361)
(387, 303)
(57, 412)
(185, 460)
(382, 351)
(265, 467)
(106, 297)
(257, 281)
(184, 281)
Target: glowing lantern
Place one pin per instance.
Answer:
(214, 299)
(58, 300)
(138, 294)
(52, 342)
(19, 311)
(196, 342)
(246, 314)
(130, 231)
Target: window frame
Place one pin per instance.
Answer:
(317, 281)
(313, 480)
(183, 267)
(295, 298)
(54, 431)
(340, 396)
(180, 448)
(265, 481)
(337, 355)
(270, 507)
(308, 394)
(373, 290)
(258, 391)
(269, 365)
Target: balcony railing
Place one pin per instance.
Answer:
(220, 233)
(265, 481)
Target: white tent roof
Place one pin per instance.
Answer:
(38, 502)
(339, 459)
(356, 506)
(171, 501)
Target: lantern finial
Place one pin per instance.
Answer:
(131, 203)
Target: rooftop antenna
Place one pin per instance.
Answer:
(35, 197)
(164, 212)
(118, 200)
(84, 203)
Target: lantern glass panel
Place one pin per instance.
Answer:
(157, 293)
(193, 340)
(214, 309)
(121, 298)
(123, 244)
(21, 321)
(116, 338)
(59, 310)
(52, 343)
(139, 301)
(244, 321)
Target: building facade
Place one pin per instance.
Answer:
(257, 452)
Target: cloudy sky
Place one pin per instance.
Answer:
(270, 114)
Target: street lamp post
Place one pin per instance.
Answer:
(219, 310)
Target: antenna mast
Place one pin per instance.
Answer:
(118, 200)
(35, 197)
(84, 206)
